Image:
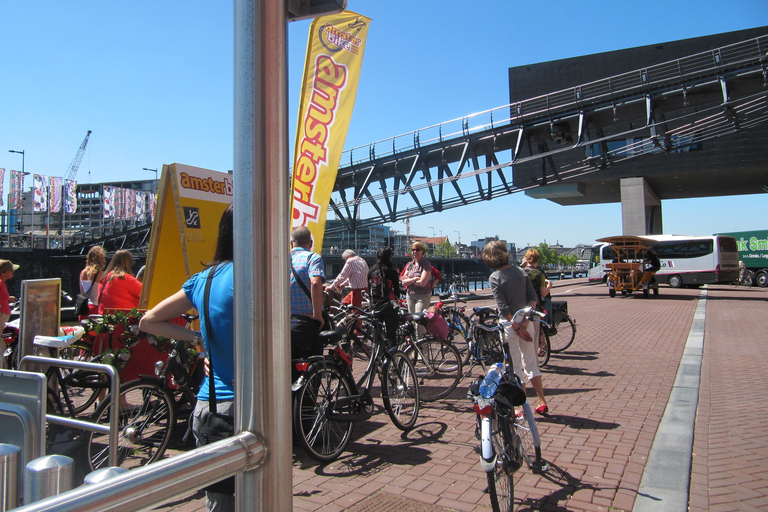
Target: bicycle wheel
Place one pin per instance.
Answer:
(400, 391)
(145, 424)
(544, 347)
(323, 440)
(527, 434)
(501, 486)
(489, 346)
(438, 368)
(561, 337)
(458, 324)
(82, 386)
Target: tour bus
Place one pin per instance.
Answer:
(685, 260)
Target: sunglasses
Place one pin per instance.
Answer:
(414, 250)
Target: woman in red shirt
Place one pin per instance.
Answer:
(119, 289)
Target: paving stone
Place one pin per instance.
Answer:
(607, 394)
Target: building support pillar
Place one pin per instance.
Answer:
(640, 208)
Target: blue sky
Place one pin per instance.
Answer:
(153, 80)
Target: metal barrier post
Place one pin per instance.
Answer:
(9, 476)
(48, 476)
(94, 477)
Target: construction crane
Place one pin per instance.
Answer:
(75, 165)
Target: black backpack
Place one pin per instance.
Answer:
(378, 286)
(533, 273)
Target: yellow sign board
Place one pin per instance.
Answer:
(184, 231)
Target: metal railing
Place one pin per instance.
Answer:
(114, 389)
(154, 484)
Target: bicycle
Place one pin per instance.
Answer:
(489, 344)
(150, 408)
(437, 362)
(327, 400)
(746, 279)
(505, 445)
(459, 324)
(562, 330)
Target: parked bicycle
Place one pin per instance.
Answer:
(151, 408)
(327, 400)
(489, 342)
(505, 443)
(436, 361)
(459, 324)
(562, 330)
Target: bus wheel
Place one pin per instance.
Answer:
(675, 281)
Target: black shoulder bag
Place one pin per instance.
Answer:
(81, 301)
(214, 427)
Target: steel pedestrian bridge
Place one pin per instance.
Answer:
(553, 139)
(543, 145)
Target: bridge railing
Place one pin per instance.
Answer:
(702, 65)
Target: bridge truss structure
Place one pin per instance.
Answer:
(555, 138)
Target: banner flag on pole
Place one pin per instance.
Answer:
(41, 193)
(108, 203)
(70, 196)
(56, 184)
(17, 184)
(331, 74)
(2, 181)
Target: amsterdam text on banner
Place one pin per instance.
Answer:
(331, 74)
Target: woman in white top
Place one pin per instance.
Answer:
(92, 274)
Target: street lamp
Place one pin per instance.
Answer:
(433, 231)
(151, 170)
(455, 231)
(22, 159)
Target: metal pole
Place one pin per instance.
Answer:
(262, 383)
(9, 476)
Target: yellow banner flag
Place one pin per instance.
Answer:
(331, 74)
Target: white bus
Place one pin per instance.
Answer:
(685, 260)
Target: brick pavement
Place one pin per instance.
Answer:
(730, 449)
(607, 394)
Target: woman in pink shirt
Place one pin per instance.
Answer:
(119, 289)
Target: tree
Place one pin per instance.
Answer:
(548, 255)
(445, 250)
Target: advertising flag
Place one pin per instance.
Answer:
(2, 180)
(108, 201)
(17, 185)
(41, 193)
(331, 74)
(56, 184)
(70, 196)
